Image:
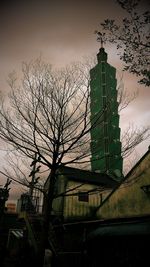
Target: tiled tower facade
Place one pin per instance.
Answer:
(105, 134)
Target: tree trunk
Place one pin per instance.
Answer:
(46, 218)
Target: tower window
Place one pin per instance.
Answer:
(104, 101)
(104, 90)
(106, 147)
(103, 77)
(103, 67)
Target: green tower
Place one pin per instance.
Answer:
(105, 131)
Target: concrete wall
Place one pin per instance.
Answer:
(130, 199)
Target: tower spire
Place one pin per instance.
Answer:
(102, 42)
(102, 55)
(100, 38)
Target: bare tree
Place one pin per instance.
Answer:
(131, 37)
(132, 135)
(49, 115)
(124, 96)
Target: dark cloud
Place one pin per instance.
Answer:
(50, 21)
(61, 30)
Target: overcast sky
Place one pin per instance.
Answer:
(63, 31)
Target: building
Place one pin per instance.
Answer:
(105, 132)
(11, 207)
(132, 196)
(79, 192)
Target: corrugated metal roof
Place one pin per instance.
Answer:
(83, 176)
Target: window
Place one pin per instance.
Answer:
(106, 146)
(104, 90)
(83, 196)
(103, 67)
(103, 77)
(146, 189)
(104, 101)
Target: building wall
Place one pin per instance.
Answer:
(76, 208)
(130, 199)
(78, 204)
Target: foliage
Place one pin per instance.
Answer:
(132, 39)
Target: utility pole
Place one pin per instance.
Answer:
(32, 174)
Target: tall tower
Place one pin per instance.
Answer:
(105, 131)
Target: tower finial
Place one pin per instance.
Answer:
(102, 42)
(100, 38)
